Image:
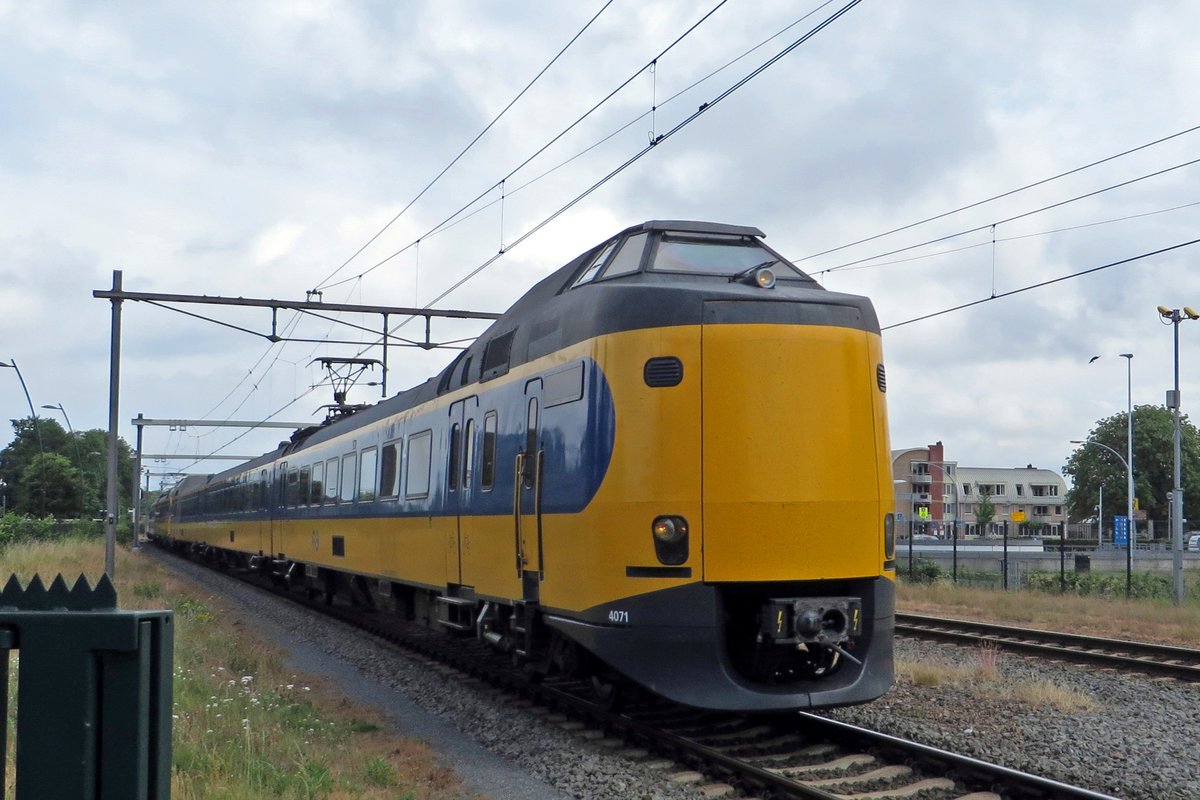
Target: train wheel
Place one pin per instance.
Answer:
(609, 692)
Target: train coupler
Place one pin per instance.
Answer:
(829, 621)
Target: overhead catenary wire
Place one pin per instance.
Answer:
(543, 148)
(462, 214)
(1039, 285)
(1002, 195)
(1019, 237)
(466, 149)
(270, 416)
(618, 170)
(1007, 220)
(704, 107)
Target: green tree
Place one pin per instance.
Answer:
(86, 452)
(1153, 455)
(985, 509)
(51, 486)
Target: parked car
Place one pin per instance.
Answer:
(1193, 541)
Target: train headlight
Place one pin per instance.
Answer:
(889, 536)
(668, 530)
(670, 539)
(765, 278)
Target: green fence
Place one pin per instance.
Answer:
(93, 693)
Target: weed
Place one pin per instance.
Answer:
(243, 724)
(148, 590)
(242, 661)
(380, 772)
(987, 662)
(1048, 693)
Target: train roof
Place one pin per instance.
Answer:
(557, 312)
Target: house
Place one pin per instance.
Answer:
(938, 492)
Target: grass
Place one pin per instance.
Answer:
(983, 674)
(244, 725)
(1114, 617)
(1138, 619)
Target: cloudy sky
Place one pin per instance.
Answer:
(252, 149)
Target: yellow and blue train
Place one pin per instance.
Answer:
(667, 463)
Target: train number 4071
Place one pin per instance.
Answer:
(619, 617)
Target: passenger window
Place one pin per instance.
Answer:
(419, 456)
(454, 456)
(488, 476)
(468, 454)
(305, 484)
(531, 425)
(331, 481)
(366, 475)
(389, 471)
(318, 483)
(348, 464)
(564, 386)
(531, 430)
(628, 258)
(293, 487)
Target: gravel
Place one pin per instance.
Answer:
(1140, 740)
(1128, 736)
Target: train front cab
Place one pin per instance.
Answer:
(768, 466)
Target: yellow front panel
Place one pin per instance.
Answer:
(791, 453)
(654, 469)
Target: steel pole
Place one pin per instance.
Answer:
(1129, 472)
(137, 488)
(114, 386)
(1177, 492)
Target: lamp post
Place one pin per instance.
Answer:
(37, 430)
(1174, 316)
(1129, 541)
(78, 458)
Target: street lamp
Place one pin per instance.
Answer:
(1128, 467)
(1129, 541)
(1174, 316)
(75, 444)
(36, 429)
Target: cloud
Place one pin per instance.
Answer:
(251, 150)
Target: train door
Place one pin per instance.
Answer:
(460, 481)
(527, 495)
(262, 505)
(276, 504)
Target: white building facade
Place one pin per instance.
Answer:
(938, 492)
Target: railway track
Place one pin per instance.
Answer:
(1158, 660)
(726, 755)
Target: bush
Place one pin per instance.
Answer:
(924, 571)
(1144, 585)
(16, 528)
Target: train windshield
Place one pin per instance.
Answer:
(713, 254)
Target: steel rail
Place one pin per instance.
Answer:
(1158, 659)
(984, 770)
(638, 723)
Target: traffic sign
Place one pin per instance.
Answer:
(1121, 530)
